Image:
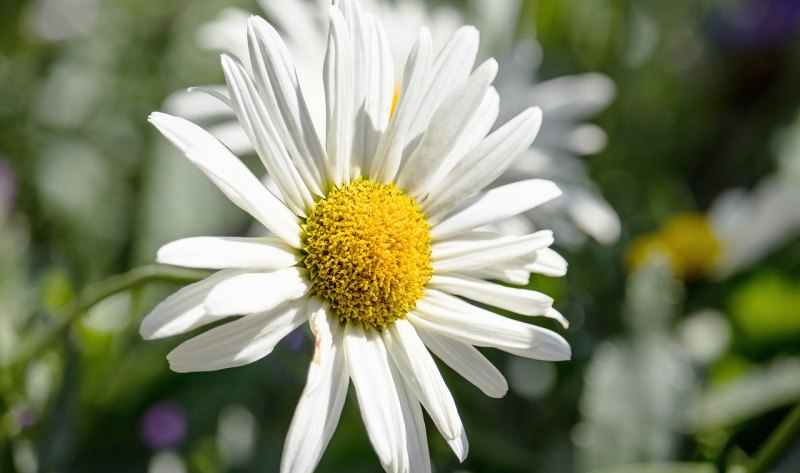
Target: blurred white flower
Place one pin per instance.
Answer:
(377, 243)
(566, 101)
(741, 226)
(750, 224)
(705, 335)
(60, 20)
(636, 386)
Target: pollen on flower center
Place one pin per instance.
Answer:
(368, 252)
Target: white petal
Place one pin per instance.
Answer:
(495, 205)
(423, 377)
(573, 97)
(229, 252)
(214, 103)
(237, 343)
(452, 65)
(230, 175)
(509, 274)
(480, 125)
(454, 318)
(368, 366)
(517, 271)
(419, 458)
(557, 316)
(216, 91)
(184, 310)
(389, 154)
(360, 34)
(380, 86)
(548, 262)
(460, 446)
(277, 83)
(467, 361)
(520, 301)
(339, 71)
(593, 215)
(249, 293)
(485, 163)
(446, 127)
(481, 249)
(255, 120)
(320, 405)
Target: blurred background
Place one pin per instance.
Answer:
(683, 291)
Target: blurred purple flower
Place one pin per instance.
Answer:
(24, 416)
(757, 23)
(8, 186)
(295, 340)
(163, 425)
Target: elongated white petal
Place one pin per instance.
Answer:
(480, 126)
(184, 310)
(339, 92)
(591, 213)
(548, 262)
(451, 66)
(573, 97)
(520, 301)
(454, 318)
(249, 293)
(389, 154)
(214, 102)
(467, 361)
(230, 175)
(483, 164)
(495, 205)
(422, 376)
(503, 273)
(229, 252)
(419, 458)
(237, 343)
(277, 84)
(557, 316)
(368, 366)
(380, 87)
(256, 122)
(445, 129)
(518, 270)
(467, 253)
(214, 91)
(460, 446)
(360, 34)
(320, 405)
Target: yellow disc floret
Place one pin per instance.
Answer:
(368, 252)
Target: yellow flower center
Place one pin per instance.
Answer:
(368, 252)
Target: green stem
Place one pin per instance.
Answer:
(104, 289)
(776, 444)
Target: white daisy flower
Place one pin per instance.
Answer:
(566, 101)
(379, 236)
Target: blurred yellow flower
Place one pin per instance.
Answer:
(686, 240)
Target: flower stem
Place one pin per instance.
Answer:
(776, 444)
(104, 289)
